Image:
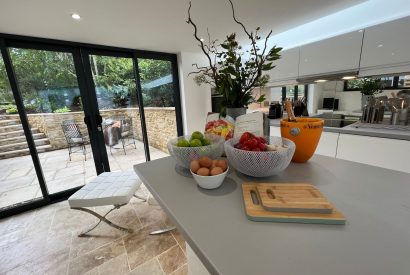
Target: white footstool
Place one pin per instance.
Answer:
(109, 188)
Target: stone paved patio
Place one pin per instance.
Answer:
(18, 181)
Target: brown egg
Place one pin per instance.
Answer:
(214, 162)
(222, 163)
(203, 171)
(205, 162)
(216, 171)
(195, 166)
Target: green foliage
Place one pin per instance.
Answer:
(32, 108)
(120, 95)
(235, 70)
(38, 72)
(370, 86)
(65, 109)
(11, 110)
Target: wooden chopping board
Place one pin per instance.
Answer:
(255, 211)
(294, 197)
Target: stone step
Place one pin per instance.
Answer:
(16, 133)
(7, 122)
(22, 145)
(11, 128)
(20, 139)
(24, 152)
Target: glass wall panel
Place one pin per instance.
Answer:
(158, 93)
(115, 87)
(48, 84)
(18, 179)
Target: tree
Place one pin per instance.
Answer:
(40, 70)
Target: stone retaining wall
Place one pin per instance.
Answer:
(161, 124)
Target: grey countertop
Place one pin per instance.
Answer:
(353, 130)
(375, 239)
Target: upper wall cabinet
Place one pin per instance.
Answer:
(386, 48)
(286, 70)
(333, 55)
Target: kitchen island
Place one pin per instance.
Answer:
(374, 240)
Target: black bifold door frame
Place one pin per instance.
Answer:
(80, 53)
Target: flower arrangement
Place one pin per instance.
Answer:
(232, 69)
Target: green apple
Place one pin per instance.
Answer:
(183, 143)
(197, 135)
(195, 143)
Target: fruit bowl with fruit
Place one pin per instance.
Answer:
(208, 173)
(187, 148)
(259, 156)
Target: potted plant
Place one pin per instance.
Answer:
(233, 70)
(368, 88)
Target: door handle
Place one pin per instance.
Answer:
(98, 121)
(87, 121)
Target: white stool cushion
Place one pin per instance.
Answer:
(108, 188)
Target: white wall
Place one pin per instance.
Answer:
(195, 100)
(313, 99)
(276, 94)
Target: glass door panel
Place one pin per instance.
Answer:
(158, 95)
(18, 179)
(51, 96)
(115, 88)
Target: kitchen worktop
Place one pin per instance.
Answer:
(354, 129)
(375, 239)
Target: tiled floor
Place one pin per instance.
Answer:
(45, 241)
(19, 182)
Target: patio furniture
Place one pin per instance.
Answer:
(108, 188)
(74, 137)
(125, 133)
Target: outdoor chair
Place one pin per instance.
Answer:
(75, 138)
(126, 133)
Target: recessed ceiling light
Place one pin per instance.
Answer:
(75, 16)
(349, 77)
(380, 45)
(320, 80)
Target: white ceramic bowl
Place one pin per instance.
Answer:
(210, 182)
(184, 155)
(260, 164)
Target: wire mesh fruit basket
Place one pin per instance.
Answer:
(261, 164)
(184, 155)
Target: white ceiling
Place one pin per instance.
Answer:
(155, 24)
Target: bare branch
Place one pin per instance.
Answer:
(189, 21)
(250, 35)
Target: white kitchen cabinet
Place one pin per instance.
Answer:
(333, 55)
(382, 152)
(286, 70)
(386, 48)
(327, 144)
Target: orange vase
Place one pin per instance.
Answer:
(305, 133)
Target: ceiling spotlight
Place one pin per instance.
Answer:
(349, 77)
(75, 16)
(320, 80)
(380, 45)
(202, 40)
